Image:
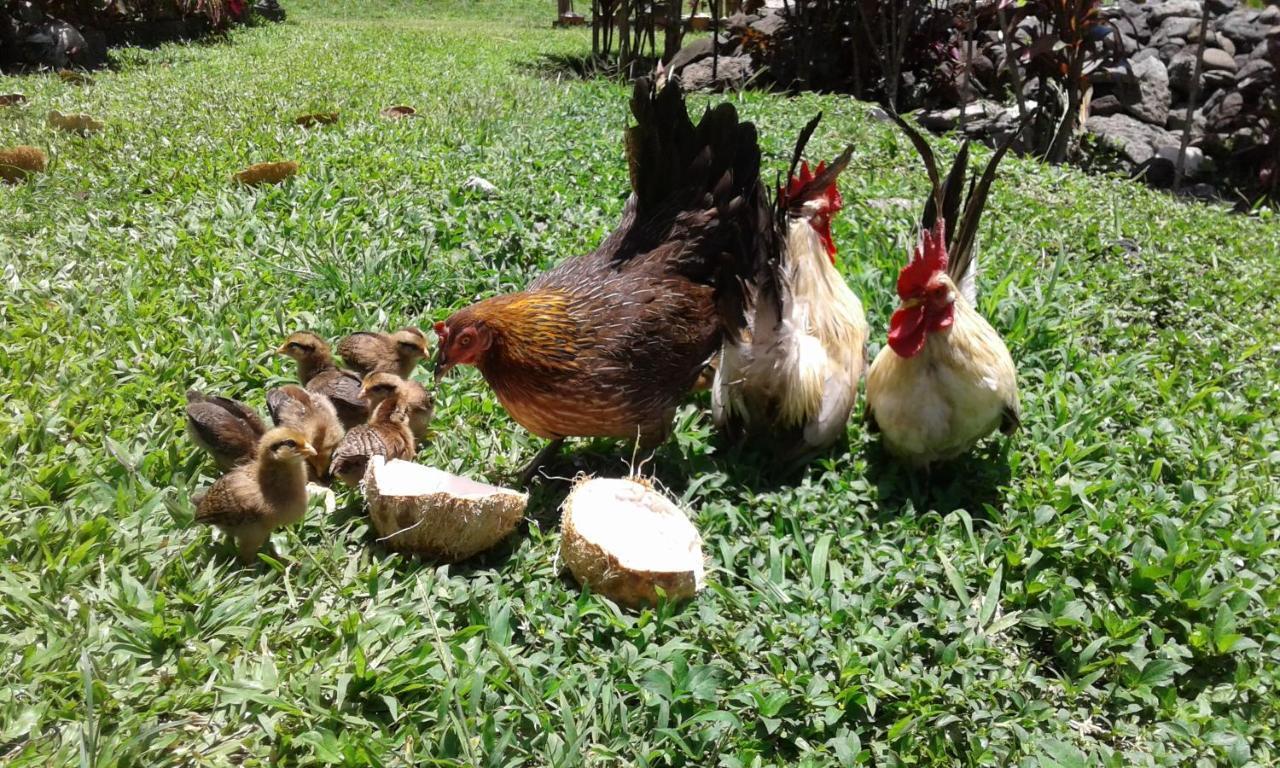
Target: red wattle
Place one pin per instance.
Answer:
(907, 331)
(938, 319)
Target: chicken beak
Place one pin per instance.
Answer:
(282, 350)
(307, 450)
(442, 367)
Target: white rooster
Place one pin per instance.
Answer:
(946, 379)
(793, 376)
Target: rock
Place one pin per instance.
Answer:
(1255, 76)
(1145, 53)
(1222, 6)
(1134, 139)
(1222, 116)
(1116, 74)
(729, 72)
(770, 25)
(1216, 58)
(269, 10)
(1179, 27)
(1194, 163)
(1270, 15)
(690, 53)
(1138, 17)
(1201, 191)
(1178, 119)
(1243, 27)
(1149, 100)
(1182, 68)
(942, 120)
(1215, 80)
(1104, 106)
(481, 186)
(1129, 44)
(1223, 42)
(1171, 49)
(1175, 8)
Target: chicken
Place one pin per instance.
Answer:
(416, 401)
(794, 378)
(314, 416)
(386, 434)
(946, 379)
(228, 430)
(397, 353)
(318, 374)
(255, 498)
(607, 344)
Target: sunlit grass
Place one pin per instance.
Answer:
(1099, 590)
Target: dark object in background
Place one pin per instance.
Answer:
(269, 10)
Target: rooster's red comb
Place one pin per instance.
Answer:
(797, 190)
(929, 258)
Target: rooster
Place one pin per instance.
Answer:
(608, 344)
(795, 376)
(946, 378)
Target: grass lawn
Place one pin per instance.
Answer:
(1100, 590)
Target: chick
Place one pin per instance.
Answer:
(415, 400)
(318, 374)
(254, 499)
(312, 414)
(228, 430)
(396, 353)
(386, 434)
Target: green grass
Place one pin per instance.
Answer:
(1099, 590)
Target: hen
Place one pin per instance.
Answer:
(607, 344)
(946, 379)
(793, 378)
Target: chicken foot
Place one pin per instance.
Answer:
(544, 456)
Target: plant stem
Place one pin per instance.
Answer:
(1189, 120)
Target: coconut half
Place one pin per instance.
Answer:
(430, 512)
(623, 539)
(266, 173)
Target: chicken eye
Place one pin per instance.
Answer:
(466, 340)
(288, 444)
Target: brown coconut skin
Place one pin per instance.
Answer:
(17, 163)
(602, 572)
(440, 526)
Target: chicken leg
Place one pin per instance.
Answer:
(544, 456)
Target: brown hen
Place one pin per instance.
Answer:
(609, 343)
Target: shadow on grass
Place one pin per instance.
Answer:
(971, 482)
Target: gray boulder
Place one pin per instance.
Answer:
(730, 72)
(1243, 28)
(1216, 58)
(1175, 8)
(1135, 140)
(1148, 98)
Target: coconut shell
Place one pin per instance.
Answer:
(425, 511)
(624, 539)
(317, 118)
(398, 111)
(267, 173)
(81, 124)
(17, 163)
(12, 99)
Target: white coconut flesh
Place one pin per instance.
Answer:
(428, 511)
(623, 539)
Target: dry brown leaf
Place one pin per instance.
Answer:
(267, 173)
(317, 118)
(17, 163)
(398, 111)
(12, 99)
(81, 124)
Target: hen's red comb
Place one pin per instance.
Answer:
(441, 329)
(799, 184)
(929, 258)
